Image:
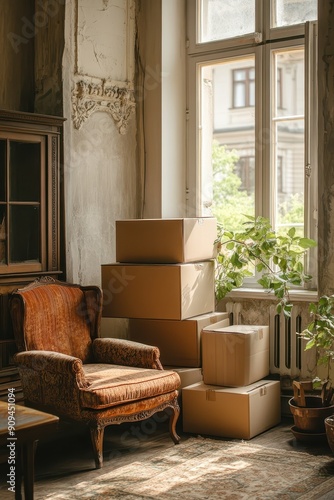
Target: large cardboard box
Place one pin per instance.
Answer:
(158, 291)
(165, 240)
(179, 341)
(231, 412)
(235, 355)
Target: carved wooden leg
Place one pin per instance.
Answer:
(96, 434)
(172, 423)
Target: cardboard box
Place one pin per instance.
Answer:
(235, 355)
(165, 240)
(179, 341)
(240, 412)
(158, 291)
(188, 376)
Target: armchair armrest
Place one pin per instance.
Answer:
(126, 353)
(52, 362)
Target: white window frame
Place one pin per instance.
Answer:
(211, 52)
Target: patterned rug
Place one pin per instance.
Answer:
(210, 469)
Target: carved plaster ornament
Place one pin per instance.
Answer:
(88, 97)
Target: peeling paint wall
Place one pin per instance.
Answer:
(99, 162)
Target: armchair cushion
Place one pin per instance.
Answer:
(125, 352)
(64, 311)
(111, 385)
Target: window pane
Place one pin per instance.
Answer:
(227, 144)
(2, 170)
(289, 82)
(290, 175)
(3, 234)
(24, 234)
(289, 138)
(290, 12)
(221, 19)
(25, 164)
(239, 95)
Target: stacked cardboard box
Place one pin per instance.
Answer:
(234, 399)
(163, 281)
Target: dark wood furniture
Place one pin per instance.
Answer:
(30, 199)
(30, 425)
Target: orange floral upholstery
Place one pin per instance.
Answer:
(110, 386)
(66, 369)
(63, 311)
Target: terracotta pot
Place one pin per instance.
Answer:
(329, 425)
(310, 417)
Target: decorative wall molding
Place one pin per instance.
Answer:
(89, 96)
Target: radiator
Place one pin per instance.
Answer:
(287, 354)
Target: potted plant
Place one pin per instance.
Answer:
(279, 259)
(319, 335)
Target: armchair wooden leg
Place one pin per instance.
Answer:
(96, 434)
(172, 424)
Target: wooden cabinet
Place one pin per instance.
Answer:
(30, 179)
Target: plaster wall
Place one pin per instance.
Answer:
(99, 161)
(162, 106)
(149, 95)
(173, 109)
(326, 147)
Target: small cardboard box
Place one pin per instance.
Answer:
(188, 376)
(235, 355)
(239, 412)
(165, 240)
(179, 341)
(158, 291)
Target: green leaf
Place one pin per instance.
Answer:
(312, 308)
(310, 345)
(307, 243)
(228, 234)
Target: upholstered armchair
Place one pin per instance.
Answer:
(67, 370)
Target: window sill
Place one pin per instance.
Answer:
(256, 293)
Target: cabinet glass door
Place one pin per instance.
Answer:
(21, 188)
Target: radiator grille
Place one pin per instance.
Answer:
(286, 349)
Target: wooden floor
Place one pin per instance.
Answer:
(67, 455)
(71, 452)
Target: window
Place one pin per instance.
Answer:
(243, 87)
(245, 170)
(251, 119)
